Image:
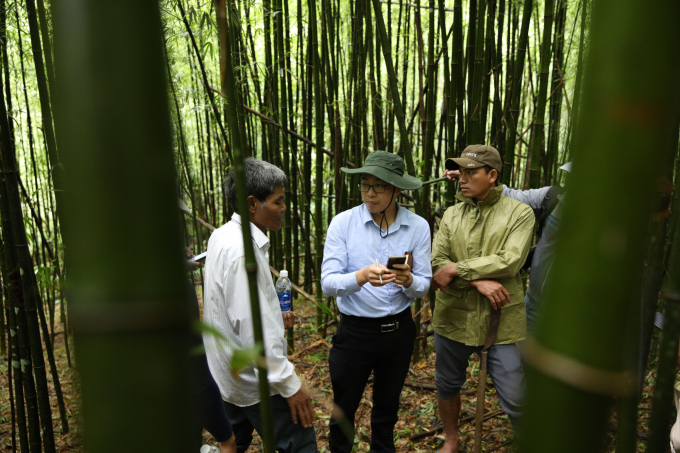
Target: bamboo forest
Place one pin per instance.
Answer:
(130, 132)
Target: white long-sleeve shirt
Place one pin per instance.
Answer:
(226, 307)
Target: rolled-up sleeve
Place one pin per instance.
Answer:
(422, 269)
(336, 281)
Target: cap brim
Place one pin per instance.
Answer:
(457, 162)
(566, 167)
(405, 182)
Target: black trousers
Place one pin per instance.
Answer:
(290, 437)
(359, 347)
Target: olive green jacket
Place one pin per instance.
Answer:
(489, 240)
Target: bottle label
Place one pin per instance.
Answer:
(284, 300)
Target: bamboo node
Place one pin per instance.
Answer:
(126, 316)
(573, 373)
(671, 296)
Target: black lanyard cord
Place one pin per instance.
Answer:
(384, 217)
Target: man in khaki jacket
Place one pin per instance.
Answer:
(476, 256)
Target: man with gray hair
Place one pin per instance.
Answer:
(227, 309)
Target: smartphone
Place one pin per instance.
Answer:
(392, 260)
(200, 257)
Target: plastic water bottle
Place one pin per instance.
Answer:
(209, 449)
(284, 289)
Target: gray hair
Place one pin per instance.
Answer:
(262, 178)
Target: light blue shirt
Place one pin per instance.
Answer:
(353, 242)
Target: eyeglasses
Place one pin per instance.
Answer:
(377, 188)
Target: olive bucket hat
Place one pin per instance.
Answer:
(388, 167)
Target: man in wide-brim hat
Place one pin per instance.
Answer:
(377, 331)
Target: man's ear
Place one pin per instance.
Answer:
(253, 204)
(397, 191)
(494, 175)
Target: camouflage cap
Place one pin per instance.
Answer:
(476, 156)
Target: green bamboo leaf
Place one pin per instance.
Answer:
(244, 358)
(322, 305)
(202, 328)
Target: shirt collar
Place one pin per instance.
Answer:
(491, 199)
(258, 236)
(401, 219)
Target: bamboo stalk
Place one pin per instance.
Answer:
(250, 262)
(538, 132)
(132, 333)
(575, 410)
(405, 145)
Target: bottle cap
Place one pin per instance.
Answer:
(284, 274)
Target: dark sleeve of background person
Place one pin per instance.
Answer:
(211, 412)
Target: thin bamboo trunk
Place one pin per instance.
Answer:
(43, 91)
(405, 145)
(16, 380)
(512, 118)
(319, 126)
(34, 307)
(251, 263)
(555, 109)
(538, 132)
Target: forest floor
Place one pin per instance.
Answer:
(417, 414)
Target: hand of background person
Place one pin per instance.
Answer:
(229, 445)
(191, 265)
(403, 274)
(288, 319)
(492, 290)
(444, 276)
(301, 407)
(452, 175)
(372, 274)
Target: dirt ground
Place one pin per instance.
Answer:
(417, 414)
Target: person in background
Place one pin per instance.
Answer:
(476, 256)
(377, 332)
(226, 308)
(547, 203)
(211, 413)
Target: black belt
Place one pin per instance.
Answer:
(383, 325)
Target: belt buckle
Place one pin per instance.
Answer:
(388, 327)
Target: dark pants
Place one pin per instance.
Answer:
(290, 437)
(359, 348)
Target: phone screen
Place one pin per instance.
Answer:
(392, 260)
(200, 257)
